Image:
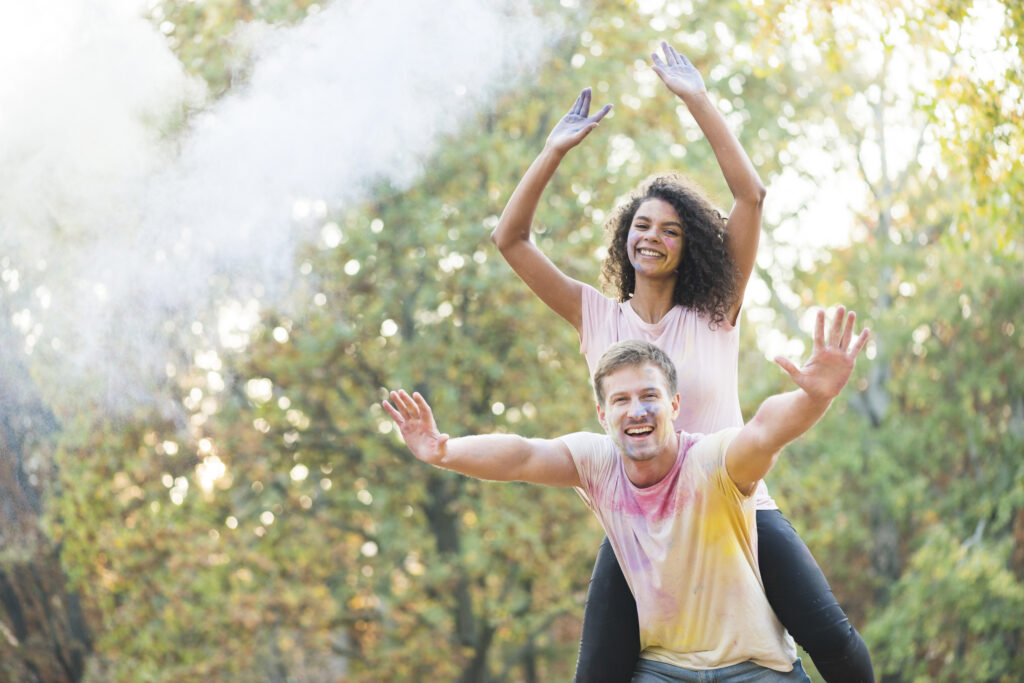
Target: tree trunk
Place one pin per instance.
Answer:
(43, 635)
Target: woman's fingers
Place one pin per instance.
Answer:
(575, 108)
(600, 115)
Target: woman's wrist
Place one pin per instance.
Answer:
(695, 98)
(552, 152)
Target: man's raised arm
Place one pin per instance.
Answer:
(784, 417)
(498, 457)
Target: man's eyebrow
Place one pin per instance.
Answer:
(643, 390)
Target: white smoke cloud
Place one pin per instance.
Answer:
(116, 226)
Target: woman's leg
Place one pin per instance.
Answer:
(803, 602)
(610, 644)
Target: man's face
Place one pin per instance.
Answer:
(638, 411)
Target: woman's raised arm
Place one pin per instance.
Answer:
(512, 236)
(743, 228)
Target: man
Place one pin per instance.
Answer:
(675, 506)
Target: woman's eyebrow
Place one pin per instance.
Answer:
(645, 218)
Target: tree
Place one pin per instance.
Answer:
(923, 453)
(43, 630)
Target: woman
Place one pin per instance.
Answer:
(680, 281)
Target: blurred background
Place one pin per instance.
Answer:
(226, 226)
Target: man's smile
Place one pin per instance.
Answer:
(639, 430)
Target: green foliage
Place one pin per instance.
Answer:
(925, 448)
(959, 611)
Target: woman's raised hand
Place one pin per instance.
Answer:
(575, 125)
(677, 72)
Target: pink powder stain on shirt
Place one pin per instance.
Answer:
(655, 503)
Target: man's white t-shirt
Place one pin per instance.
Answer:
(688, 549)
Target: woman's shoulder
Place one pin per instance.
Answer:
(591, 293)
(598, 308)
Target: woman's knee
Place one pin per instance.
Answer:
(797, 589)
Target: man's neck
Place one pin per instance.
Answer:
(650, 472)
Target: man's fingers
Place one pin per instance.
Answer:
(397, 404)
(787, 365)
(851, 317)
(405, 403)
(836, 332)
(423, 406)
(819, 328)
(397, 401)
(860, 342)
(393, 413)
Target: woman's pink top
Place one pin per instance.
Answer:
(706, 361)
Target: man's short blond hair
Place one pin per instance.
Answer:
(629, 354)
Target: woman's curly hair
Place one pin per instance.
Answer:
(707, 273)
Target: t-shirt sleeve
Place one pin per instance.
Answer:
(597, 327)
(594, 459)
(711, 449)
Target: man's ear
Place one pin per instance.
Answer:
(675, 406)
(600, 416)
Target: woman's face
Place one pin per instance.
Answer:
(655, 241)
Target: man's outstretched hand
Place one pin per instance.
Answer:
(828, 369)
(415, 420)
